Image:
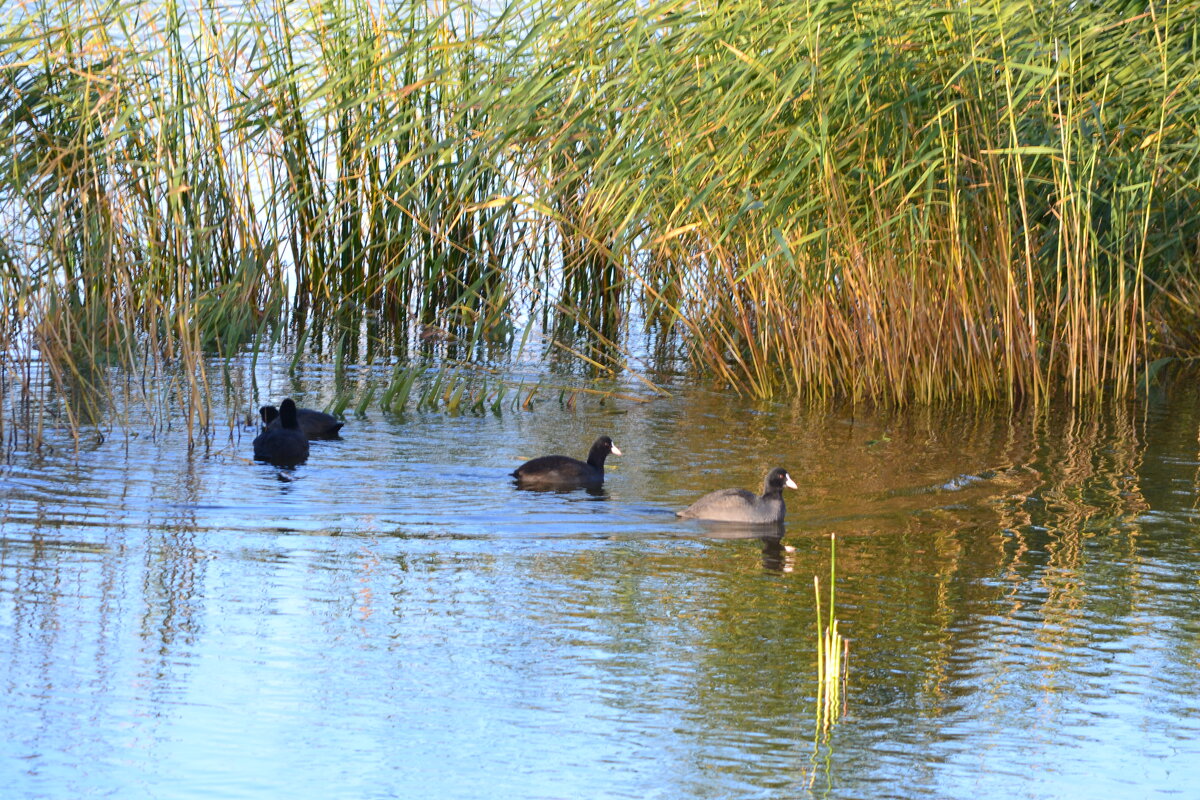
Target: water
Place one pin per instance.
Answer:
(1021, 594)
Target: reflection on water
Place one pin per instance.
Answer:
(394, 619)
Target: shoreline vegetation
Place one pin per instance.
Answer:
(889, 202)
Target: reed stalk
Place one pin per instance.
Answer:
(832, 654)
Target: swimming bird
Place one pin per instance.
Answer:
(739, 505)
(563, 472)
(282, 444)
(315, 424)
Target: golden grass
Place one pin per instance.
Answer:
(884, 201)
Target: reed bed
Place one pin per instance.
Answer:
(882, 200)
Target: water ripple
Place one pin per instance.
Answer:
(395, 618)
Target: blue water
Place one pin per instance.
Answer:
(1021, 594)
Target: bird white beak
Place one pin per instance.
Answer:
(791, 484)
(616, 451)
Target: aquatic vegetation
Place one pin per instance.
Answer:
(833, 653)
(867, 201)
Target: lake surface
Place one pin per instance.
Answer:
(1021, 594)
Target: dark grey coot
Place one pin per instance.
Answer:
(315, 424)
(563, 472)
(283, 444)
(739, 505)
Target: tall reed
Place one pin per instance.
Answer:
(880, 200)
(913, 202)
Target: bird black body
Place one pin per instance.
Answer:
(282, 444)
(314, 424)
(739, 505)
(564, 472)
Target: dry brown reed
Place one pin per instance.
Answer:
(881, 200)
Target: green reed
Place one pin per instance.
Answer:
(833, 653)
(893, 200)
(881, 200)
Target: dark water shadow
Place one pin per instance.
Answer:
(595, 492)
(740, 530)
(286, 476)
(775, 554)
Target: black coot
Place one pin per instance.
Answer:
(562, 472)
(282, 444)
(315, 424)
(739, 505)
